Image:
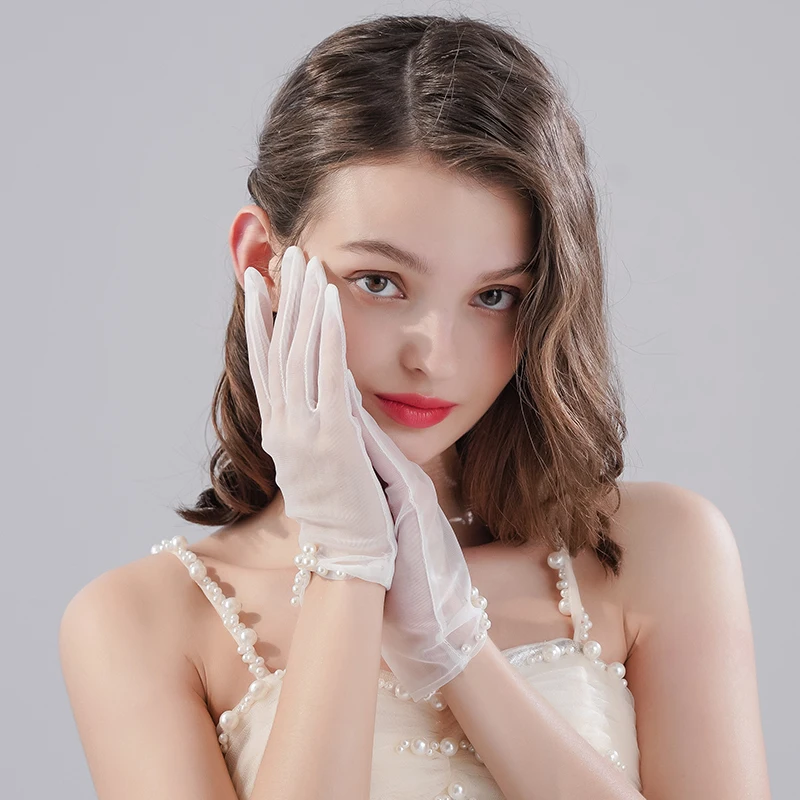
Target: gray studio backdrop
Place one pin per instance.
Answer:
(126, 133)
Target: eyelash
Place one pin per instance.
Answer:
(515, 293)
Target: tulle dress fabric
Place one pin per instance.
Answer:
(594, 700)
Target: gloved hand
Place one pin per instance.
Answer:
(434, 620)
(306, 397)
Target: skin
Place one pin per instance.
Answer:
(677, 617)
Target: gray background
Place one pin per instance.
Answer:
(126, 134)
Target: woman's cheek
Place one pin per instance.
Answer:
(365, 337)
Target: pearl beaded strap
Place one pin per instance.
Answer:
(228, 609)
(569, 605)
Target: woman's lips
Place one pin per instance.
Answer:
(412, 416)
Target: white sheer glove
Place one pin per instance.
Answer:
(434, 620)
(309, 425)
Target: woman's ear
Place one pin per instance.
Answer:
(251, 245)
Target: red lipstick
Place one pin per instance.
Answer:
(418, 400)
(415, 410)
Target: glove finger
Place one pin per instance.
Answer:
(332, 356)
(258, 331)
(302, 366)
(292, 274)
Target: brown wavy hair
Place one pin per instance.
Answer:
(471, 97)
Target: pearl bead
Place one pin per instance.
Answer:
(456, 791)
(563, 607)
(229, 720)
(438, 703)
(616, 668)
(232, 604)
(592, 649)
(556, 560)
(419, 747)
(551, 652)
(197, 570)
(248, 636)
(230, 620)
(400, 693)
(448, 746)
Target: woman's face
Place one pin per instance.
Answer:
(447, 333)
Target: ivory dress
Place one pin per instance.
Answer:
(420, 751)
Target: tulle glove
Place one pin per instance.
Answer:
(310, 427)
(434, 620)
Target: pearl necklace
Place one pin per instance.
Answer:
(468, 517)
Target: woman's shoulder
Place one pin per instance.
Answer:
(151, 600)
(671, 537)
(655, 519)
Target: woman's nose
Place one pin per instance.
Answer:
(433, 345)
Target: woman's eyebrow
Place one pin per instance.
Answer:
(415, 263)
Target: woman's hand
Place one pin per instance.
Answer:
(309, 425)
(434, 620)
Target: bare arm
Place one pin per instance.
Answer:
(137, 698)
(322, 737)
(692, 666)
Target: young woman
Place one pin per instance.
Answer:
(428, 580)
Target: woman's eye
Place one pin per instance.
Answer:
(514, 298)
(373, 278)
(376, 283)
